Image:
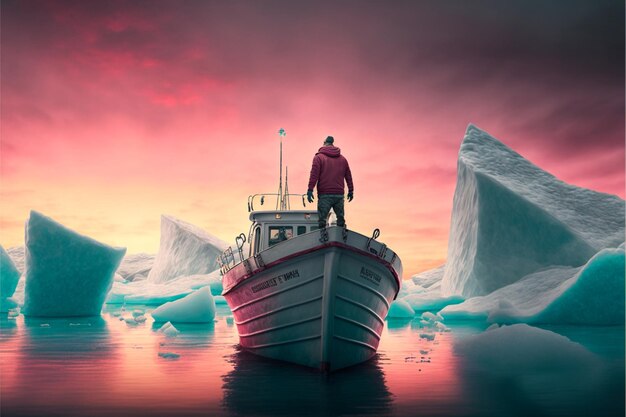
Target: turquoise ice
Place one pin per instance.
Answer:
(67, 274)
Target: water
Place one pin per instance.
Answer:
(104, 366)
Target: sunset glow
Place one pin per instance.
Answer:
(114, 113)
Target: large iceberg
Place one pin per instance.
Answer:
(510, 219)
(67, 274)
(197, 307)
(184, 250)
(9, 275)
(589, 295)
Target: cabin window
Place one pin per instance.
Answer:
(280, 233)
(314, 228)
(301, 230)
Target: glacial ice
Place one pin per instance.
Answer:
(589, 295)
(185, 250)
(169, 330)
(510, 219)
(9, 275)
(520, 349)
(16, 254)
(431, 300)
(197, 307)
(136, 265)
(67, 274)
(146, 292)
(429, 278)
(7, 304)
(400, 309)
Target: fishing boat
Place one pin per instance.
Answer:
(305, 295)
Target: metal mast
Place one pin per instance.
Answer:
(280, 202)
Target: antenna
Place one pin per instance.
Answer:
(280, 202)
(286, 199)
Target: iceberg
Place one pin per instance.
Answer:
(145, 292)
(589, 295)
(429, 278)
(136, 266)
(510, 218)
(400, 309)
(184, 250)
(67, 274)
(520, 349)
(9, 275)
(197, 307)
(168, 330)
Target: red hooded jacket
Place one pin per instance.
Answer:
(329, 170)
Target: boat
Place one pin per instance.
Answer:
(305, 295)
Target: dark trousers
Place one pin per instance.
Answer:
(327, 201)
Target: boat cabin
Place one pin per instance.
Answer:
(272, 227)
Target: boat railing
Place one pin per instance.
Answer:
(226, 259)
(262, 198)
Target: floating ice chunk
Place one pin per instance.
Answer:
(400, 309)
(9, 275)
(589, 295)
(140, 319)
(431, 300)
(137, 313)
(67, 274)
(197, 307)
(145, 292)
(511, 218)
(427, 335)
(520, 349)
(230, 320)
(428, 278)
(136, 266)
(185, 250)
(169, 330)
(169, 355)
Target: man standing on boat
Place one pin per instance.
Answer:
(328, 172)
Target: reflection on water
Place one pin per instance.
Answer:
(266, 387)
(106, 366)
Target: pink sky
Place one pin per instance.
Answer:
(116, 112)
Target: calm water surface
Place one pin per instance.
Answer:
(104, 366)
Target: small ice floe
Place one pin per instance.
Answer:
(80, 324)
(169, 330)
(137, 313)
(427, 336)
(116, 313)
(423, 352)
(140, 319)
(230, 320)
(13, 313)
(44, 325)
(169, 355)
(433, 322)
(131, 321)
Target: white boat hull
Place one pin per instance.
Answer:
(318, 304)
